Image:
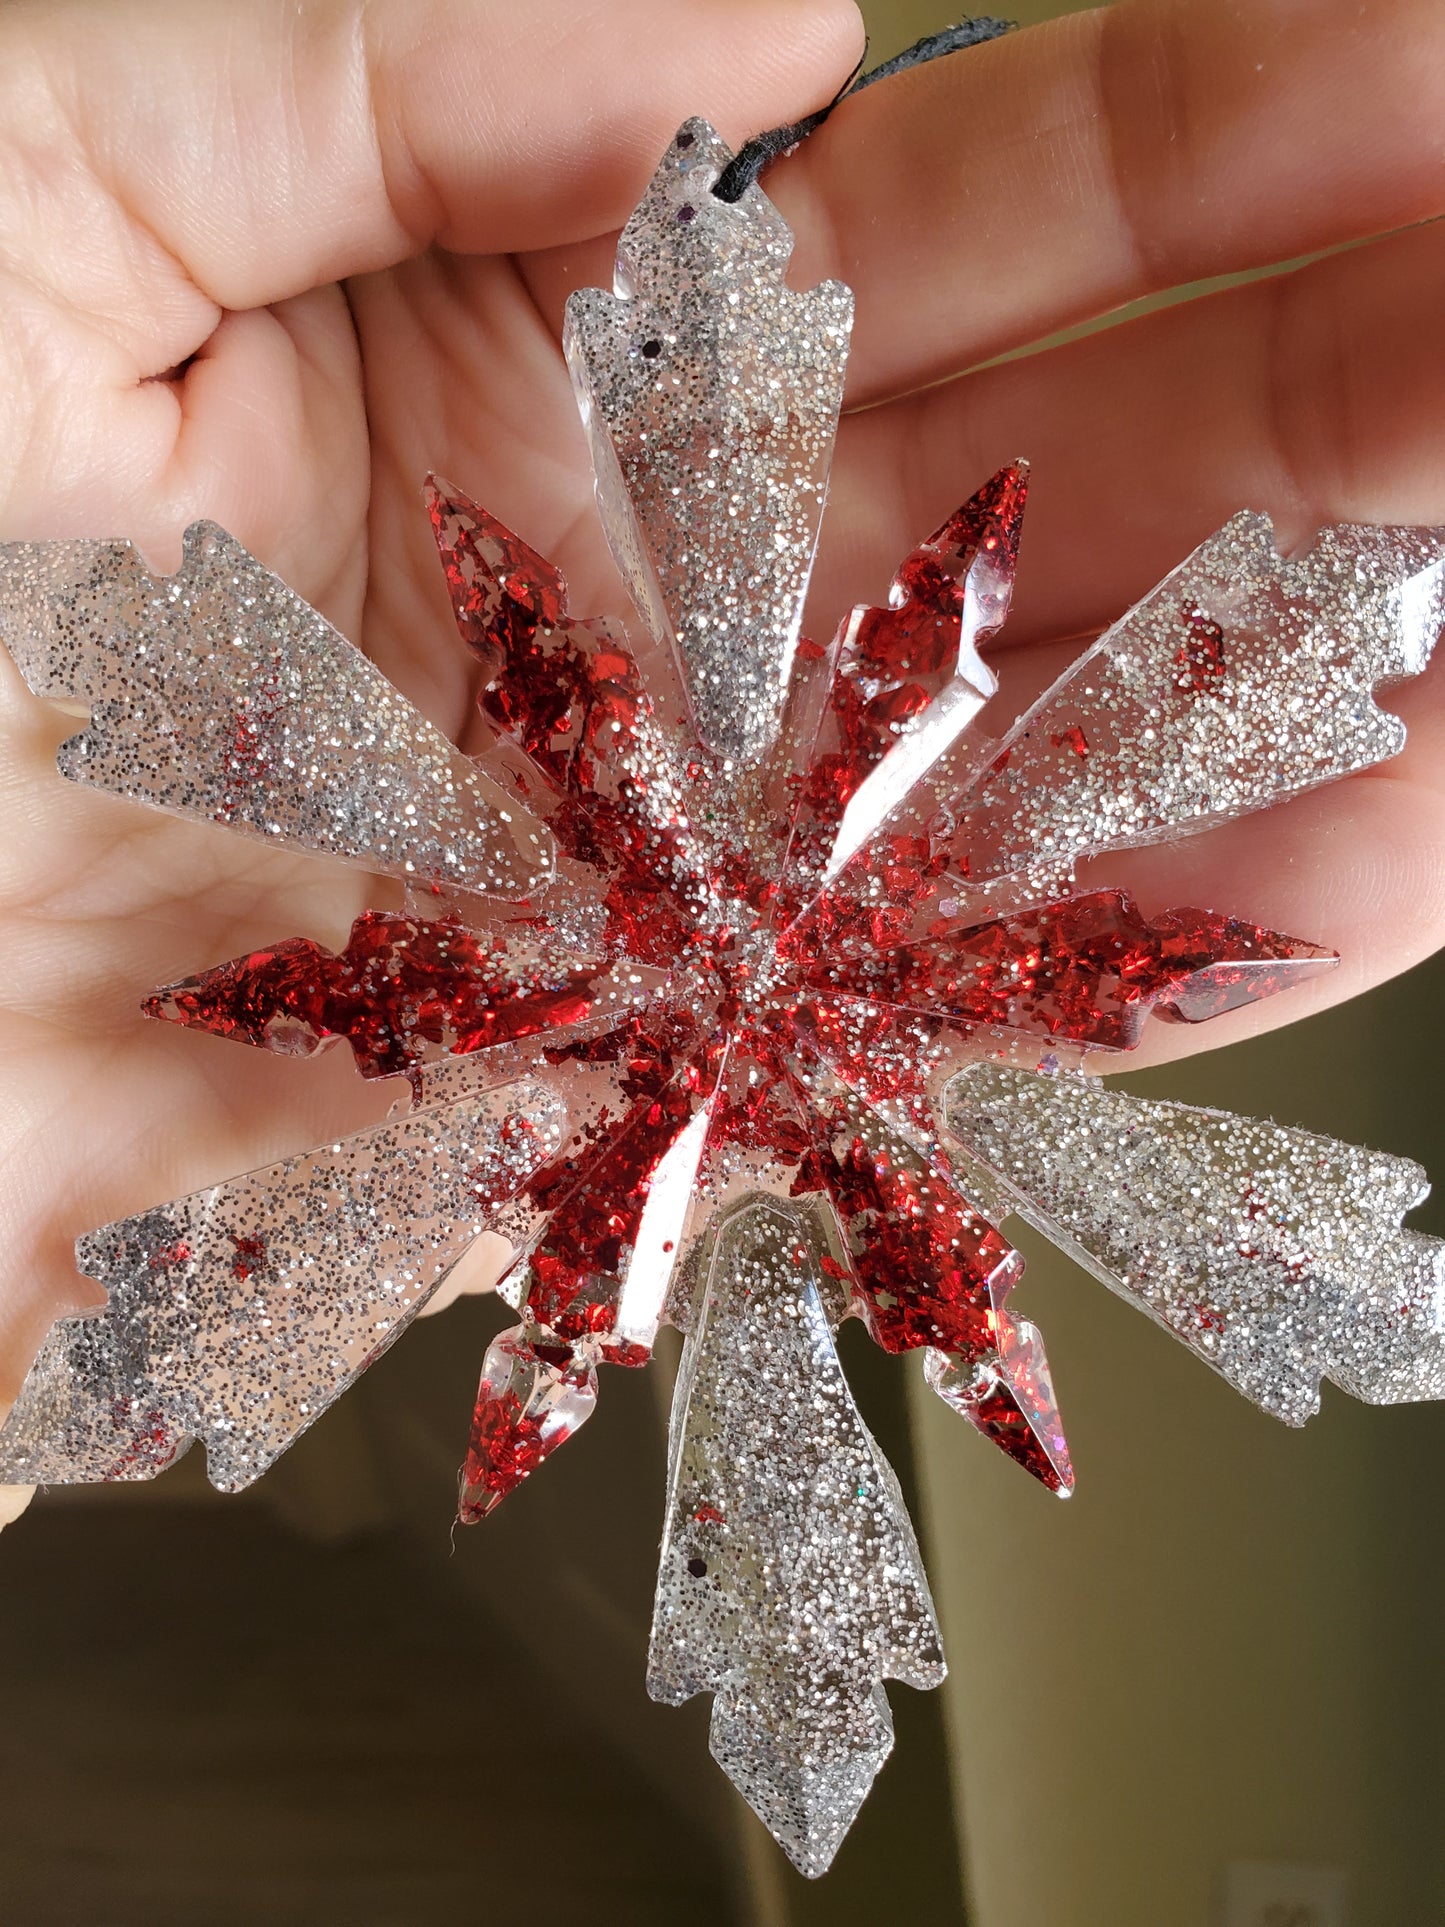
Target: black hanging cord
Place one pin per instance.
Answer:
(763, 149)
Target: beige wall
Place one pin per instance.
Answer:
(1224, 1647)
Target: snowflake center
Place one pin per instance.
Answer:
(734, 966)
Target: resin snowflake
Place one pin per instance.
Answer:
(744, 984)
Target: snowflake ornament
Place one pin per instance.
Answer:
(744, 984)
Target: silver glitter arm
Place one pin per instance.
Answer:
(237, 1315)
(790, 1584)
(1241, 680)
(1276, 1256)
(218, 693)
(710, 391)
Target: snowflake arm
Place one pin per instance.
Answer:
(218, 693)
(1243, 679)
(1276, 1256)
(238, 1314)
(712, 507)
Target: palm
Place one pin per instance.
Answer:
(105, 900)
(306, 424)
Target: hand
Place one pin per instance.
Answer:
(257, 265)
(268, 264)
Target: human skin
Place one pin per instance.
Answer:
(268, 263)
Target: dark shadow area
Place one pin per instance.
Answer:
(306, 1705)
(208, 1720)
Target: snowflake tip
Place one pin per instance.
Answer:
(500, 588)
(991, 521)
(531, 1399)
(1009, 1398)
(271, 998)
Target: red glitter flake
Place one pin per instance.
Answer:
(248, 749)
(1072, 738)
(531, 1400)
(1007, 1394)
(504, 594)
(951, 593)
(566, 692)
(579, 1265)
(625, 1352)
(1017, 1412)
(927, 1269)
(504, 1448)
(150, 1445)
(250, 1256)
(1201, 659)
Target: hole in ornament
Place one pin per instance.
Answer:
(652, 349)
(685, 139)
(698, 1568)
(686, 211)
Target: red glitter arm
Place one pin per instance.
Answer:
(539, 1383)
(404, 988)
(563, 690)
(1089, 969)
(926, 1269)
(897, 666)
(567, 693)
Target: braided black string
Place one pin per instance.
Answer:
(763, 149)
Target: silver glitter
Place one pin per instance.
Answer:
(238, 1314)
(218, 693)
(790, 1584)
(1241, 680)
(711, 390)
(1276, 1256)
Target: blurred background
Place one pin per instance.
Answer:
(1206, 1688)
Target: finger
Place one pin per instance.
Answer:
(13, 1501)
(1314, 396)
(254, 150)
(269, 415)
(985, 200)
